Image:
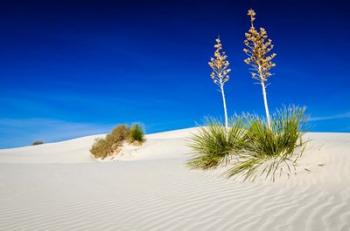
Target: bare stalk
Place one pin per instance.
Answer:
(224, 104)
(267, 112)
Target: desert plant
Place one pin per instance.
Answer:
(119, 133)
(258, 48)
(136, 134)
(220, 70)
(38, 142)
(271, 151)
(112, 142)
(101, 148)
(214, 143)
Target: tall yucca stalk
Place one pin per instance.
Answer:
(220, 69)
(258, 48)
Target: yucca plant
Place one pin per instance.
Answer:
(271, 151)
(220, 73)
(214, 143)
(258, 49)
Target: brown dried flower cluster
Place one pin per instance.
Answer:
(251, 13)
(258, 48)
(219, 65)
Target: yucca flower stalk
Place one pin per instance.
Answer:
(258, 48)
(220, 70)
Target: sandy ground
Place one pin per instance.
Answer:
(59, 186)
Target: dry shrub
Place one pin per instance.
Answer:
(112, 143)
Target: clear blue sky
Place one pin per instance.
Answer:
(74, 68)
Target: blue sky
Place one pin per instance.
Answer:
(74, 68)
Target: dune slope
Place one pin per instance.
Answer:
(59, 186)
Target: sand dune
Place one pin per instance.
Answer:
(59, 186)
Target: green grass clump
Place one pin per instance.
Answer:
(251, 146)
(112, 143)
(271, 152)
(214, 144)
(136, 134)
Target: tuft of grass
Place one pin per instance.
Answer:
(271, 152)
(38, 142)
(136, 134)
(214, 143)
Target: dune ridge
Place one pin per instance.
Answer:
(59, 186)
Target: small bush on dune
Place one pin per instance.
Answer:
(214, 144)
(271, 152)
(109, 145)
(136, 134)
(38, 142)
(118, 134)
(101, 149)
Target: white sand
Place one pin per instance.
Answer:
(59, 186)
